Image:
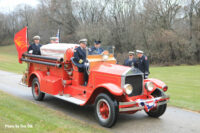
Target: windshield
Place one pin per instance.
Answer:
(99, 50)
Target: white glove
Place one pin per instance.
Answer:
(30, 52)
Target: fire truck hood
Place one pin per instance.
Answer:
(113, 69)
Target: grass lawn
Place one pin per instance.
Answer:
(28, 117)
(9, 60)
(183, 81)
(183, 84)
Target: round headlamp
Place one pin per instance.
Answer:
(128, 89)
(149, 86)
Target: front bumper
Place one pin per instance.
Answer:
(140, 104)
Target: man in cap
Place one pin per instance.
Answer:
(142, 63)
(96, 49)
(35, 47)
(80, 58)
(131, 60)
(53, 39)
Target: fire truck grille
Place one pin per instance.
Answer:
(137, 82)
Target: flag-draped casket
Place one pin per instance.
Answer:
(56, 50)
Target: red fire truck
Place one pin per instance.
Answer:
(111, 88)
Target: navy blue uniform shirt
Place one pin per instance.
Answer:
(95, 51)
(143, 65)
(130, 63)
(80, 53)
(35, 48)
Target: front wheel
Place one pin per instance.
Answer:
(37, 94)
(106, 110)
(160, 110)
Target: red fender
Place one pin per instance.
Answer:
(112, 88)
(38, 74)
(160, 84)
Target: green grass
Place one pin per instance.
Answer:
(183, 83)
(15, 111)
(9, 59)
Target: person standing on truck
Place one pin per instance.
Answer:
(35, 47)
(142, 63)
(96, 49)
(131, 60)
(80, 59)
(53, 40)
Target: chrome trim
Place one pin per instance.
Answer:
(162, 102)
(70, 99)
(127, 103)
(141, 107)
(123, 76)
(131, 109)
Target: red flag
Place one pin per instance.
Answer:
(21, 42)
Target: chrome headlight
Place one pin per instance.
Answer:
(149, 86)
(105, 57)
(128, 89)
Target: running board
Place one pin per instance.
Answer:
(70, 99)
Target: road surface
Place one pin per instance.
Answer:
(174, 120)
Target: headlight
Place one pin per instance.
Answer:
(105, 57)
(149, 86)
(128, 89)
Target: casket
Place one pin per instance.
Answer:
(56, 50)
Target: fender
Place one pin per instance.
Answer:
(112, 88)
(160, 84)
(38, 74)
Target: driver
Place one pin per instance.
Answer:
(96, 49)
(80, 59)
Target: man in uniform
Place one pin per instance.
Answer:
(53, 39)
(35, 47)
(131, 60)
(80, 58)
(142, 63)
(96, 49)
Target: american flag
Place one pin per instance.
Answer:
(149, 104)
(58, 36)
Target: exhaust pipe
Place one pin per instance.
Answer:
(41, 62)
(44, 57)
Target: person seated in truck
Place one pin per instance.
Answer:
(35, 47)
(80, 59)
(96, 49)
(131, 60)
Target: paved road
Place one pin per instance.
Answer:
(174, 120)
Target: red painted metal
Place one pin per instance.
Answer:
(104, 110)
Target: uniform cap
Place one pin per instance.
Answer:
(83, 41)
(53, 38)
(131, 52)
(139, 51)
(36, 38)
(97, 42)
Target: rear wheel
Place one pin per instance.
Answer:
(106, 110)
(37, 94)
